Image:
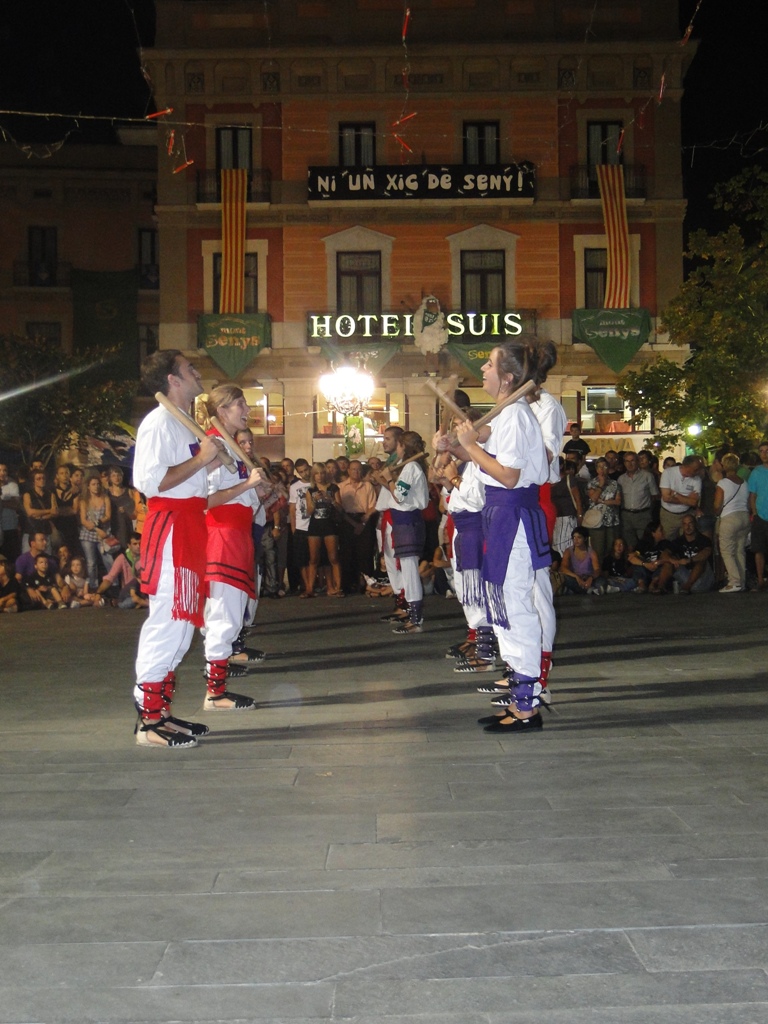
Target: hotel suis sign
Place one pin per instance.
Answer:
(464, 326)
(428, 181)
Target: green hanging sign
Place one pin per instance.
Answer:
(234, 340)
(616, 335)
(473, 356)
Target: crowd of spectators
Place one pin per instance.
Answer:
(74, 542)
(626, 525)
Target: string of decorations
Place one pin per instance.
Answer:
(176, 130)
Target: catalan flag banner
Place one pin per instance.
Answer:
(610, 177)
(234, 185)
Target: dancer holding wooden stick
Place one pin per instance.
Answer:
(171, 469)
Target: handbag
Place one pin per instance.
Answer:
(593, 517)
(109, 545)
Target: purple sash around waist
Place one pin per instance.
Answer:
(468, 546)
(505, 509)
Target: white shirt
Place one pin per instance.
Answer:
(411, 491)
(221, 478)
(162, 442)
(298, 496)
(516, 441)
(470, 495)
(9, 517)
(672, 479)
(552, 419)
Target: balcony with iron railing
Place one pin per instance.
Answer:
(43, 274)
(259, 187)
(584, 185)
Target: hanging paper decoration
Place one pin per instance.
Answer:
(159, 113)
(430, 333)
(689, 30)
(406, 22)
(662, 85)
(620, 143)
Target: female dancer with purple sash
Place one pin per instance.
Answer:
(513, 464)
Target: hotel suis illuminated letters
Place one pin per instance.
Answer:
(347, 326)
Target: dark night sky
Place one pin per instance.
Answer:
(81, 56)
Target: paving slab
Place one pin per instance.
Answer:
(358, 849)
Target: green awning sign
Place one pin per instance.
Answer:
(234, 341)
(474, 357)
(373, 357)
(616, 335)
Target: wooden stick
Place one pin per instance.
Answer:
(192, 426)
(232, 444)
(447, 402)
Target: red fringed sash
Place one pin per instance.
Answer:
(187, 518)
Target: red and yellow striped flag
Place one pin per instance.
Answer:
(611, 180)
(234, 184)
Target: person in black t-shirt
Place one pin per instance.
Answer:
(647, 559)
(577, 444)
(41, 586)
(687, 563)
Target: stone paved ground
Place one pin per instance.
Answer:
(359, 850)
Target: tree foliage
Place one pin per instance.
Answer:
(48, 398)
(721, 312)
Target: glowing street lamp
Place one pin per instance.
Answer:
(347, 391)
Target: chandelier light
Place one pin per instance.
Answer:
(347, 390)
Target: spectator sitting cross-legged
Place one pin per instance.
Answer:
(687, 563)
(9, 588)
(78, 589)
(580, 567)
(647, 559)
(123, 570)
(618, 570)
(41, 586)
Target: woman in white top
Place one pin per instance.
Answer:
(731, 505)
(513, 464)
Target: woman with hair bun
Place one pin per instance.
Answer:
(229, 574)
(403, 531)
(513, 464)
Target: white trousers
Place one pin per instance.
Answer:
(224, 612)
(543, 602)
(163, 640)
(520, 642)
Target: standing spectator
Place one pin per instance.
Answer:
(638, 494)
(95, 516)
(299, 511)
(10, 506)
(324, 506)
(758, 506)
(732, 507)
(577, 445)
(39, 505)
(275, 537)
(604, 495)
(680, 493)
(122, 506)
(66, 521)
(615, 468)
(357, 528)
(566, 497)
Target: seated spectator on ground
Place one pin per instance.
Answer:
(9, 588)
(41, 588)
(123, 569)
(580, 567)
(687, 563)
(25, 564)
(79, 593)
(646, 560)
(617, 569)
